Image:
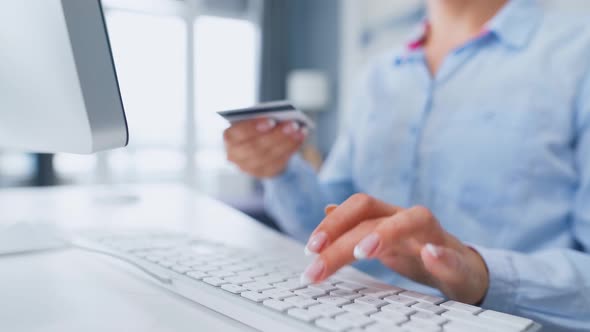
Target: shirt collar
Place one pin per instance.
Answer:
(514, 25)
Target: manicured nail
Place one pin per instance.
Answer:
(433, 250)
(367, 247)
(330, 208)
(266, 126)
(292, 128)
(313, 272)
(316, 243)
(304, 132)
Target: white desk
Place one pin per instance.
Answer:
(76, 291)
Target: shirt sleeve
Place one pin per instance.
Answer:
(552, 286)
(297, 198)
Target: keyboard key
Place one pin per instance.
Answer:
(430, 308)
(419, 326)
(519, 322)
(181, 269)
(278, 305)
(476, 323)
(428, 318)
(355, 319)
(239, 267)
(376, 293)
(167, 263)
(197, 275)
(458, 306)
(254, 296)
(214, 281)
(334, 300)
(303, 314)
(384, 327)
(308, 292)
(238, 280)
(372, 301)
(333, 325)
(459, 326)
(235, 289)
(204, 268)
(257, 272)
(349, 295)
(399, 309)
(349, 286)
(257, 286)
(290, 285)
(301, 302)
(389, 317)
(396, 299)
(326, 287)
(363, 309)
(327, 310)
(278, 293)
(422, 297)
(221, 274)
(270, 279)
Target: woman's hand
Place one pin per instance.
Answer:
(409, 241)
(262, 148)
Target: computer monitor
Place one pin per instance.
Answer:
(58, 84)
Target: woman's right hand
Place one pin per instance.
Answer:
(262, 148)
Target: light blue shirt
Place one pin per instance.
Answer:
(497, 145)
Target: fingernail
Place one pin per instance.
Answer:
(292, 128)
(266, 125)
(316, 243)
(313, 272)
(366, 247)
(304, 132)
(330, 208)
(433, 250)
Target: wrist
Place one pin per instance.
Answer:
(480, 276)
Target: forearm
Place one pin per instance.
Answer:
(551, 287)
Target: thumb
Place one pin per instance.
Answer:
(444, 264)
(454, 274)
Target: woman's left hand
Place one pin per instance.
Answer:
(409, 241)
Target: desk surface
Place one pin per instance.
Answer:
(71, 291)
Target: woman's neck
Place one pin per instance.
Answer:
(457, 21)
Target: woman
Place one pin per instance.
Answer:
(481, 128)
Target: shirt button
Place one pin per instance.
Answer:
(414, 130)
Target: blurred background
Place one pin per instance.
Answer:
(180, 61)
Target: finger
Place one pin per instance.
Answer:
(274, 142)
(274, 162)
(346, 216)
(316, 242)
(416, 223)
(245, 130)
(277, 166)
(338, 254)
(330, 208)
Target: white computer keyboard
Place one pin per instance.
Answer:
(263, 291)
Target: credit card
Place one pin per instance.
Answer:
(280, 111)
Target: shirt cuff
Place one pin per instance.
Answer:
(294, 167)
(503, 287)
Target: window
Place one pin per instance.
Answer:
(226, 72)
(150, 54)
